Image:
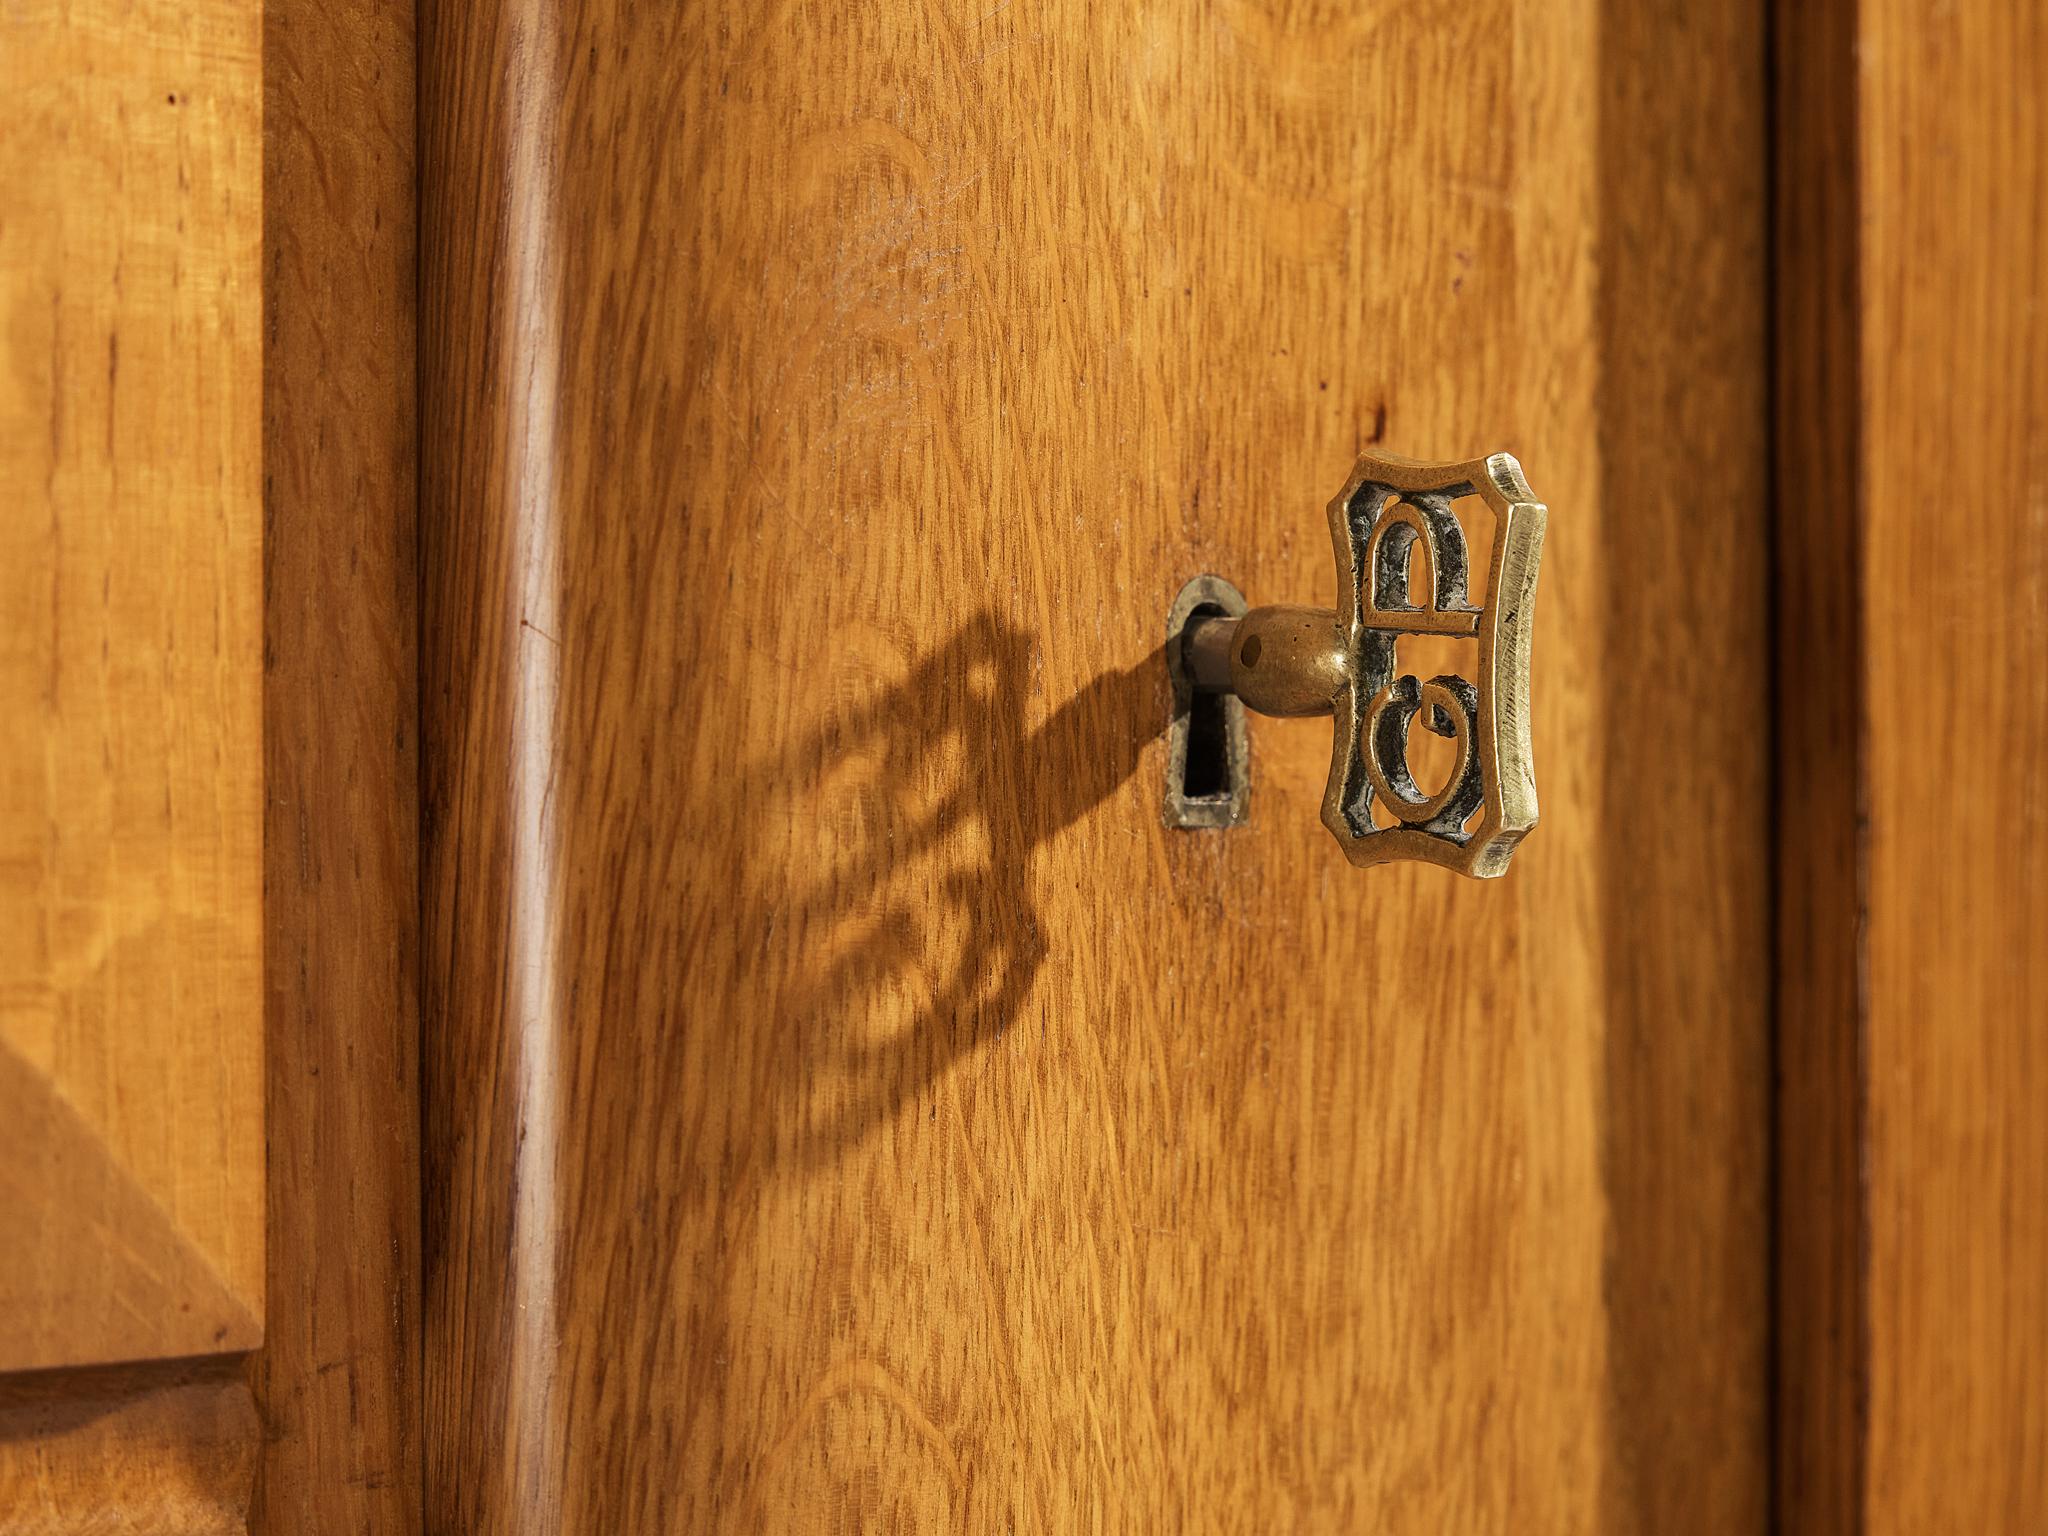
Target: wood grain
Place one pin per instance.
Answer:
(1682, 420)
(166, 1447)
(1954, 156)
(847, 1105)
(131, 1092)
(338, 1378)
(1914, 1197)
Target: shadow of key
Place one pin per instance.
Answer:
(903, 921)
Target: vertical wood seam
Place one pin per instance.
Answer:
(1820, 1226)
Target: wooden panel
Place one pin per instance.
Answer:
(1955, 452)
(846, 1104)
(338, 1377)
(166, 1448)
(1680, 726)
(131, 1094)
(1916, 1171)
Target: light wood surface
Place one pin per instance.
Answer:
(131, 1090)
(338, 1380)
(1954, 155)
(847, 1105)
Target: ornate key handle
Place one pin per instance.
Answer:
(1402, 569)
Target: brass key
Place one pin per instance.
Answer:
(1402, 569)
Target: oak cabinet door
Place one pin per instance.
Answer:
(726, 675)
(848, 1105)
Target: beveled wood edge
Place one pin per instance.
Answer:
(129, 1279)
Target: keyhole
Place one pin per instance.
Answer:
(1207, 776)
